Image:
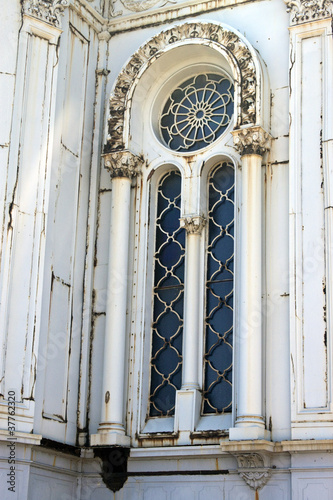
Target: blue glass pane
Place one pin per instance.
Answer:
(217, 395)
(167, 328)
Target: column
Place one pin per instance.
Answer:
(188, 399)
(123, 166)
(252, 143)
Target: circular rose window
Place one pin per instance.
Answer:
(197, 112)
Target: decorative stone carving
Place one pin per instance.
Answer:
(122, 164)
(253, 470)
(207, 33)
(193, 225)
(308, 10)
(46, 10)
(141, 5)
(251, 140)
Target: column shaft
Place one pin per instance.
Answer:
(111, 431)
(115, 334)
(192, 307)
(249, 400)
(252, 142)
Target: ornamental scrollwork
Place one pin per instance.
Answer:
(193, 224)
(49, 11)
(207, 33)
(251, 140)
(308, 10)
(252, 469)
(123, 164)
(141, 5)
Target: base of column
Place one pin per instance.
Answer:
(249, 433)
(110, 439)
(187, 413)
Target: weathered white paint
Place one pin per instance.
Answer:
(56, 199)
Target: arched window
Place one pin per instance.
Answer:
(218, 356)
(168, 298)
(186, 110)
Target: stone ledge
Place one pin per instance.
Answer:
(307, 445)
(20, 437)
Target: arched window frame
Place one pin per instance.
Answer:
(251, 140)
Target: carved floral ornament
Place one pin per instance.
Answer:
(123, 164)
(308, 10)
(251, 140)
(141, 5)
(193, 224)
(46, 10)
(208, 34)
(253, 469)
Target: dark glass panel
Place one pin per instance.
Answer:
(217, 394)
(167, 332)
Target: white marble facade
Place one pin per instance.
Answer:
(82, 86)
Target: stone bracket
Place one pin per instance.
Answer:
(114, 465)
(251, 467)
(253, 459)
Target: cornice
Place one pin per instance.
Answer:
(176, 10)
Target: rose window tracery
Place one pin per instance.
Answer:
(197, 112)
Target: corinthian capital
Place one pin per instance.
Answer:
(122, 164)
(193, 224)
(46, 10)
(302, 11)
(251, 141)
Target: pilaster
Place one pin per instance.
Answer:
(101, 79)
(27, 200)
(310, 208)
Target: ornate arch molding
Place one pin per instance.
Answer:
(244, 60)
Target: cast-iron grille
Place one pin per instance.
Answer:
(167, 328)
(217, 393)
(197, 112)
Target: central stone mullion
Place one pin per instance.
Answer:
(188, 399)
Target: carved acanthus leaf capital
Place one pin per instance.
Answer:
(253, 469)
(49, 11)
(302, 11)
(193, 224)
(251, 140)
(122, 164)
